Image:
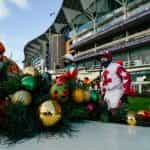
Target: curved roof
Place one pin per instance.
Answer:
(72, 12)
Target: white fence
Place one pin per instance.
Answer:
(142, 87)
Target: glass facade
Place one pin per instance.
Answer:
(132, 57)
(89, 64)
(142, 53)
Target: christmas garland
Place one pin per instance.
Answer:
(32, 104)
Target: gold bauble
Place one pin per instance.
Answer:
(131, 118)
(141, 112)
(50, 113)
(78, 95)
(21, 96)
(30, 71)
(87, 96)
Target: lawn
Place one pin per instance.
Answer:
(139, 103)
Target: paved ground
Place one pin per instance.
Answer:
(93, 136)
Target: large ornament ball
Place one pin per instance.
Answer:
(22, 96)
(87, 96)
(141, 113)
(144, 113)
(90, 107)
(30, 71)
(59, 92)
(95, 97)
(78, 95)
(1, 65)
(29, 83)
(131, 118)
(50, 113)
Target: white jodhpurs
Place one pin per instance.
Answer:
(112, 97)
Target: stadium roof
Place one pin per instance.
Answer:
(72, 12)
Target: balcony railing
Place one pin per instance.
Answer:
(122, 41)
(112, 18)
(131, 66)
(133, 63)
(142, 87)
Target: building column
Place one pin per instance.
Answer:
(43, 55)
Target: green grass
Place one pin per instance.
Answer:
(139, 103)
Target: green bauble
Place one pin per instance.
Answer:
(29, 83)
(3, 70)
(95, 97)
(59, 92)
(1, 66)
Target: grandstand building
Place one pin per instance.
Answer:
(91, 26)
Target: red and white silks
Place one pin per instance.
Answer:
(116, 81)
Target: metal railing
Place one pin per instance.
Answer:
(111, 44)
(142, 87)
(110, 19)
(133, 63)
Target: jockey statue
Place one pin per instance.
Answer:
(115, 82)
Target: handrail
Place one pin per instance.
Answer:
(142, 82)
(126, 39)
(117, 13)
(97, 67)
